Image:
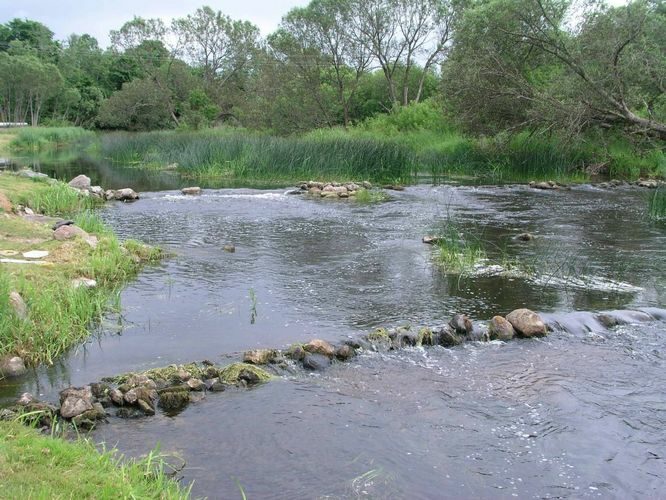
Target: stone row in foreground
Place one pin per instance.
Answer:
(172, 388)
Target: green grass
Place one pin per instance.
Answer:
(241, 155)
(457, 254)
(36, 466)
(657, 205)
(43, 138)
(368, 196)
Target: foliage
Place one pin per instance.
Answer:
(44, 138)
(657, 205)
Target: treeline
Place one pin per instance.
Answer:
(492, 67)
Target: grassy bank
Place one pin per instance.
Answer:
(59, 314)
(36, 139)
(35, 466)
(395, 147)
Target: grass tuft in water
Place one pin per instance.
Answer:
(369, 196)
(657, 205)
(456, 253)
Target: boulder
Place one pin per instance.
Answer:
(74, 401)
(195, 384)
(316, 362)
(461, 324)
(430, 240)
(543, 185)
(526, 323)
(65, 222)
(525, 237)
(84, 282)
(117, 397)
(296, 352)
(447, 337)
(318, 346)
(345, 352)
(193, 190)
(109, 194)
(125, 194)
(259, 356)
(215, 385)
(25, 399)
(500, 329)
(69, 232)
(12, 366)
(97, 191)
(19, 306)
(35, 254)
(80, 182)
(174, 399)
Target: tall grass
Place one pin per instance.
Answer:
(657, 205)
(56, 199)
(41, 138)
(249, 156)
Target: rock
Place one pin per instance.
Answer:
(99, 389)
(29, 174)
(183, 375)
(130, 397)
(146, 407)
(140, 380)
(229, 248)
(117, 397)
(80, 182)
(28, 211)
(448, 337)
(7, 415)
(296, 352)
(647, 183)
(19, 306)
(316, 362)
(125, 194)
(526, 323)
(84, 282)
(74, 401)
(525, 237)
(25, 399)
(97, 191)
(318, 346)
(500, 329)
(126, 412)
(5, 204)
(543, 185)
(11, 367)
(314, 190)
(195, 384)
(607, 320)
(394, 187)
(109, 194)
(69, 232)
(60, 223)
(174, 399)
(431, 240)
(215, 385)
(345, 352)
(259, 356)
(461, 324)
(193, 191)
(35, 254)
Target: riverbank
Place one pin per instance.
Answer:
(35, 466)
(54, 287)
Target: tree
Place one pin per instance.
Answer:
(554, 65)
(29, 34)
(324, 35)
(26, 83)
(140, 105)
(403, 34)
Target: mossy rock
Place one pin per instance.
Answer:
(242, 372)
(426, 337)
(379, 335)
(174, 398)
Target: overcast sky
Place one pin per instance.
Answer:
(98, 17)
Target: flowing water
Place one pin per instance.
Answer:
(579, 414)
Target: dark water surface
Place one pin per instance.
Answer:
(579, 414)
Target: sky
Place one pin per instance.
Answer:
(98, 17)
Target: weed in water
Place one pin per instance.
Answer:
(657, 205)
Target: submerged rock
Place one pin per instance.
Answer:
(192, 191)
(500, 329)
(526, 323)
(431, 240)
(525, 237)
(12, 366)
(229, 248)
(345, 352)
(316, 362)
(447, 337)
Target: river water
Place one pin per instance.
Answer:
(579, 414)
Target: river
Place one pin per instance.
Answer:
(578, 414)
